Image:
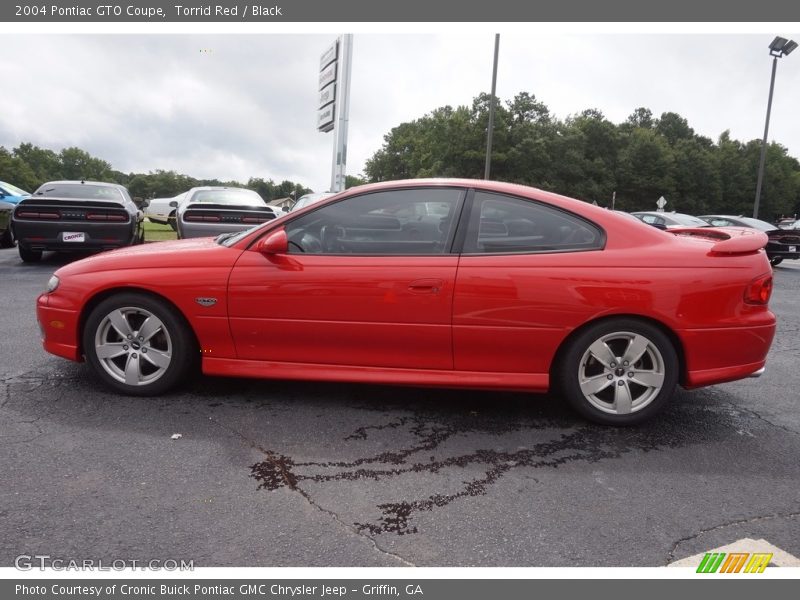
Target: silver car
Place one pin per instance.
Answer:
(210, 211)
(304, 201)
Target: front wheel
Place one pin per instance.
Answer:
(619, 372)
(775, 260)
(138, 345)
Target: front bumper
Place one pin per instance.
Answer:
(59, 328)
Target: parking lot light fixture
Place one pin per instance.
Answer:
(779, 48)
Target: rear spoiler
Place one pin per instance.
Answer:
(211, 206)
(56, 200)
(728, 240)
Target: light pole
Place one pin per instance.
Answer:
(490, 129)
(779, 47)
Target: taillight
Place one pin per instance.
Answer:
(29, 214)
(254, 219)
(759, 290)
(105, 217)
(211, 218)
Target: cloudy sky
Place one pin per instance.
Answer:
(236, 106)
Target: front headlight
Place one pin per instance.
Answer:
(52, 285)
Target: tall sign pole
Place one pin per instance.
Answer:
(490, 129)
(334, 103)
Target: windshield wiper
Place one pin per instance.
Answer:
(224, 236)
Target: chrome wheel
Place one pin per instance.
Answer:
(133, 346)
(621, 373)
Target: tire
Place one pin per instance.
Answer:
(173, 220)
(622, 394)
(29, 256)
(775, 260)
(139, 367)
(6, 241)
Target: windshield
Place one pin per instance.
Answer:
(13, 190)
(687, 220)
(757, 224)
(230, 197)
(79, 190)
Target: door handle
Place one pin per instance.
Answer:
(426, 286)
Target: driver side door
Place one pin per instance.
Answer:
(368, 281)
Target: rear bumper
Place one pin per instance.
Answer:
(50, 235)
(725, 354)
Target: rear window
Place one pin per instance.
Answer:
(231, 197)
(80, 190)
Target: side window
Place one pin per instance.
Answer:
(501, 223)
(397, 222)
(720, 222)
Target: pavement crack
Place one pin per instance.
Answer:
(760, 417)
(671, 555)
(281, 470)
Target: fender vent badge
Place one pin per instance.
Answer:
(206, 301)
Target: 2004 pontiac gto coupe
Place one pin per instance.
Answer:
(453, 283)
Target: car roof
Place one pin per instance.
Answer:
(83, 182)
(208, 188)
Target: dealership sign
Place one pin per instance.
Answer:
(328, 70)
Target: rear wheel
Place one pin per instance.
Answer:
(172, 219)
(6, 241)
(138, 345)
(619, 372)
(29, 256)
(775, 260)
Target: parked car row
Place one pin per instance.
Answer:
(452, 283)
(68, 216)
(781, 243)
(85, 215)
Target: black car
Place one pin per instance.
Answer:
(76, 216)
(782, 243)
(6, 208)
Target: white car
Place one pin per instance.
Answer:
(213, 210)
(162, 210)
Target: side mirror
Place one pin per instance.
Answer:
(285, 209)
(274, 243)
(141, 203)
(173, 204)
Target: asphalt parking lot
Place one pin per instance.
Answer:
(299, 474)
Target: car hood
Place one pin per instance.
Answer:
(198, 253)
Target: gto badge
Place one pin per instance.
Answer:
(206, 301)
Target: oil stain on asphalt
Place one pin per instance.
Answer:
(564, 439)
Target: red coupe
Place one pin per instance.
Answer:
(454, 283)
